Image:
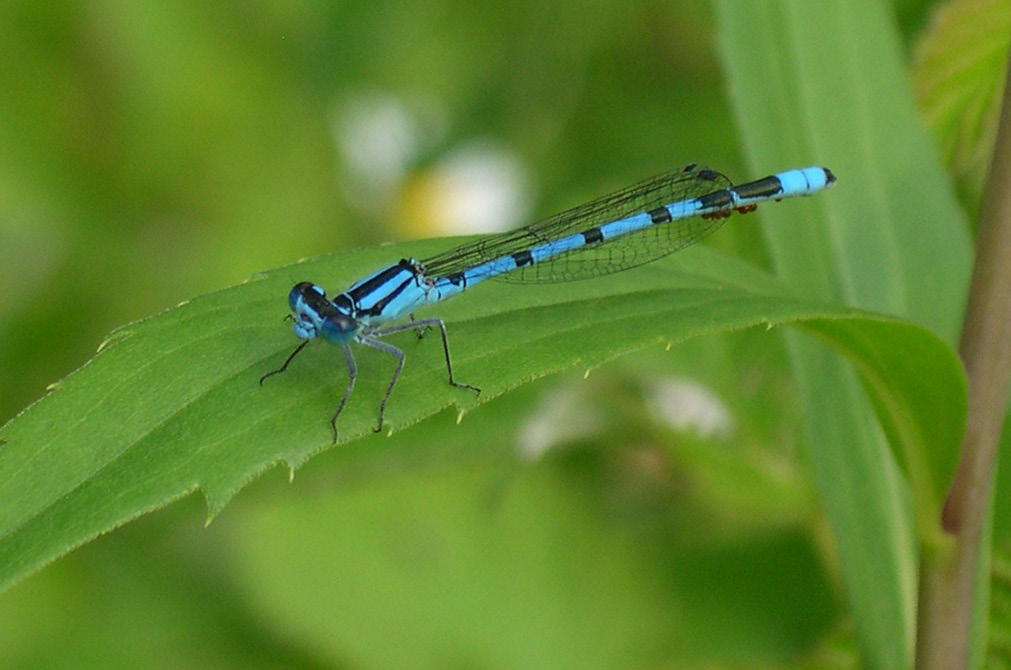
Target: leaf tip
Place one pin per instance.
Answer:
(216, 501)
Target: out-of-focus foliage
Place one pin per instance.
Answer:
(152, 152)
(959, 72)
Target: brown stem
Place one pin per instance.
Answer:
(948, 575)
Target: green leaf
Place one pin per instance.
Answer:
(958, 75)
(172, 404)
(826, 82)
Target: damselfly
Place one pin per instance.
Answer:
(627, 228)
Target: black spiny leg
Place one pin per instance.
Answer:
(396, 353)
(419, 330)
(429, 323)
(288, 360)
(352, 375)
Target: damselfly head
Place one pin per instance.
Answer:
(309, 308)
(315, 316)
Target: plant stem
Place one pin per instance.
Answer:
(950, 575)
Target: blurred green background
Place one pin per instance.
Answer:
(150, 152)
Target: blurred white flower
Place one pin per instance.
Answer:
(477, 187)
(380, 137)
(563, 415)
(686, 405)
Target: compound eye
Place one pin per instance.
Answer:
(305, 293)
(339, 328)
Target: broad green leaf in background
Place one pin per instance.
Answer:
(493, 566)
(958, 74)
(826, 81)
(171, 404)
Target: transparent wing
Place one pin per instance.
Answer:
(594, 260)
